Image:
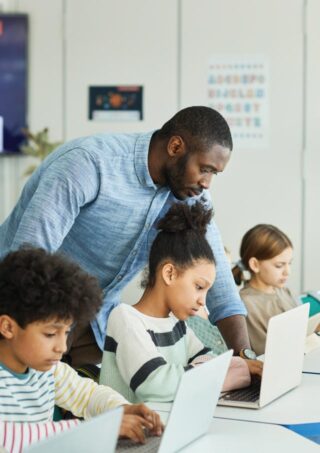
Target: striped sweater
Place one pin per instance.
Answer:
(27, 403)
(144, 357)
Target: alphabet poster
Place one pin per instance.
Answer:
(238, 89)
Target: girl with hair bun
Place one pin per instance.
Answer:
(266, 255)
(148, 345)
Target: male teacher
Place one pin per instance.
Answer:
(97, 199)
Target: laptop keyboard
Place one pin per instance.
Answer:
(249, 394)
(152, 445)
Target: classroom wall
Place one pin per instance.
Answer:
(164, 45)
(311, 169)
(259, 185)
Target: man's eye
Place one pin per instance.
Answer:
(49, 335)
(199, 287)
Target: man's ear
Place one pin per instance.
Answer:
(7, 327)
(176, 146)
(254, 265)
(169, 273)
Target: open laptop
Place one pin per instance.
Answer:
(192, 410)
(283, 361)
(100, 434)
(313, 323)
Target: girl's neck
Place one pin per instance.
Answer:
(259, 285)
(152, 303)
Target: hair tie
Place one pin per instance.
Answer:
(241, 266)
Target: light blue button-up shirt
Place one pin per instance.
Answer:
(94, 200)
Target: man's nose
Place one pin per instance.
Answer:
(205, 181)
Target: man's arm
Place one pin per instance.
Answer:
(235, 333)
(51, 201)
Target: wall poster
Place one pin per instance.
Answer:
(238, 89)
(116, 103)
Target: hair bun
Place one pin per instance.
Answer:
(182, 217)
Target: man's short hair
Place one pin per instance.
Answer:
(38, 286)
(203, 126)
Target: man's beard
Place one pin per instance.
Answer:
(175, 177)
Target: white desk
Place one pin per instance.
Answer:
(230, 436)
(311, 362)
(300, 405)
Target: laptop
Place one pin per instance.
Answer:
(100, 435)
(283, 361)
(313, 323)
(192, 410)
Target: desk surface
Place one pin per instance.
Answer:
(300, 405)
(229, 436)
(311, 362)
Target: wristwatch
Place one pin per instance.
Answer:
(248, 354)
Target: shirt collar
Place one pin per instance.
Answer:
(17, 375)
(141, 152)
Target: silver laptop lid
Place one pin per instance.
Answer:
(284, 353)
(98, 435)
(194, 404)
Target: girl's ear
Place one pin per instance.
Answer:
(169, 273)
(7, 327)
(254, 265)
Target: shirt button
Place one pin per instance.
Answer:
(119, 277)
(134, 252)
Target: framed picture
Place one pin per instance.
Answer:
(116, 103)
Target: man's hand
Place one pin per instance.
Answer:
(255, 367)
(136, 419)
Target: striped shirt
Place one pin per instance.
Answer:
(144, 357)
(101, 209)
(27, 400)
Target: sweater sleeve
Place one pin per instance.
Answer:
(15, 437)
(195, 347)
(82, 396)
(140, 363)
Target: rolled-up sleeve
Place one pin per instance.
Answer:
(223, 298)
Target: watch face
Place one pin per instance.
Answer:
(249, 354)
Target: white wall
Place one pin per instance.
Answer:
(164, 45)
(124, 43)
(259, 185)
(312, 151)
